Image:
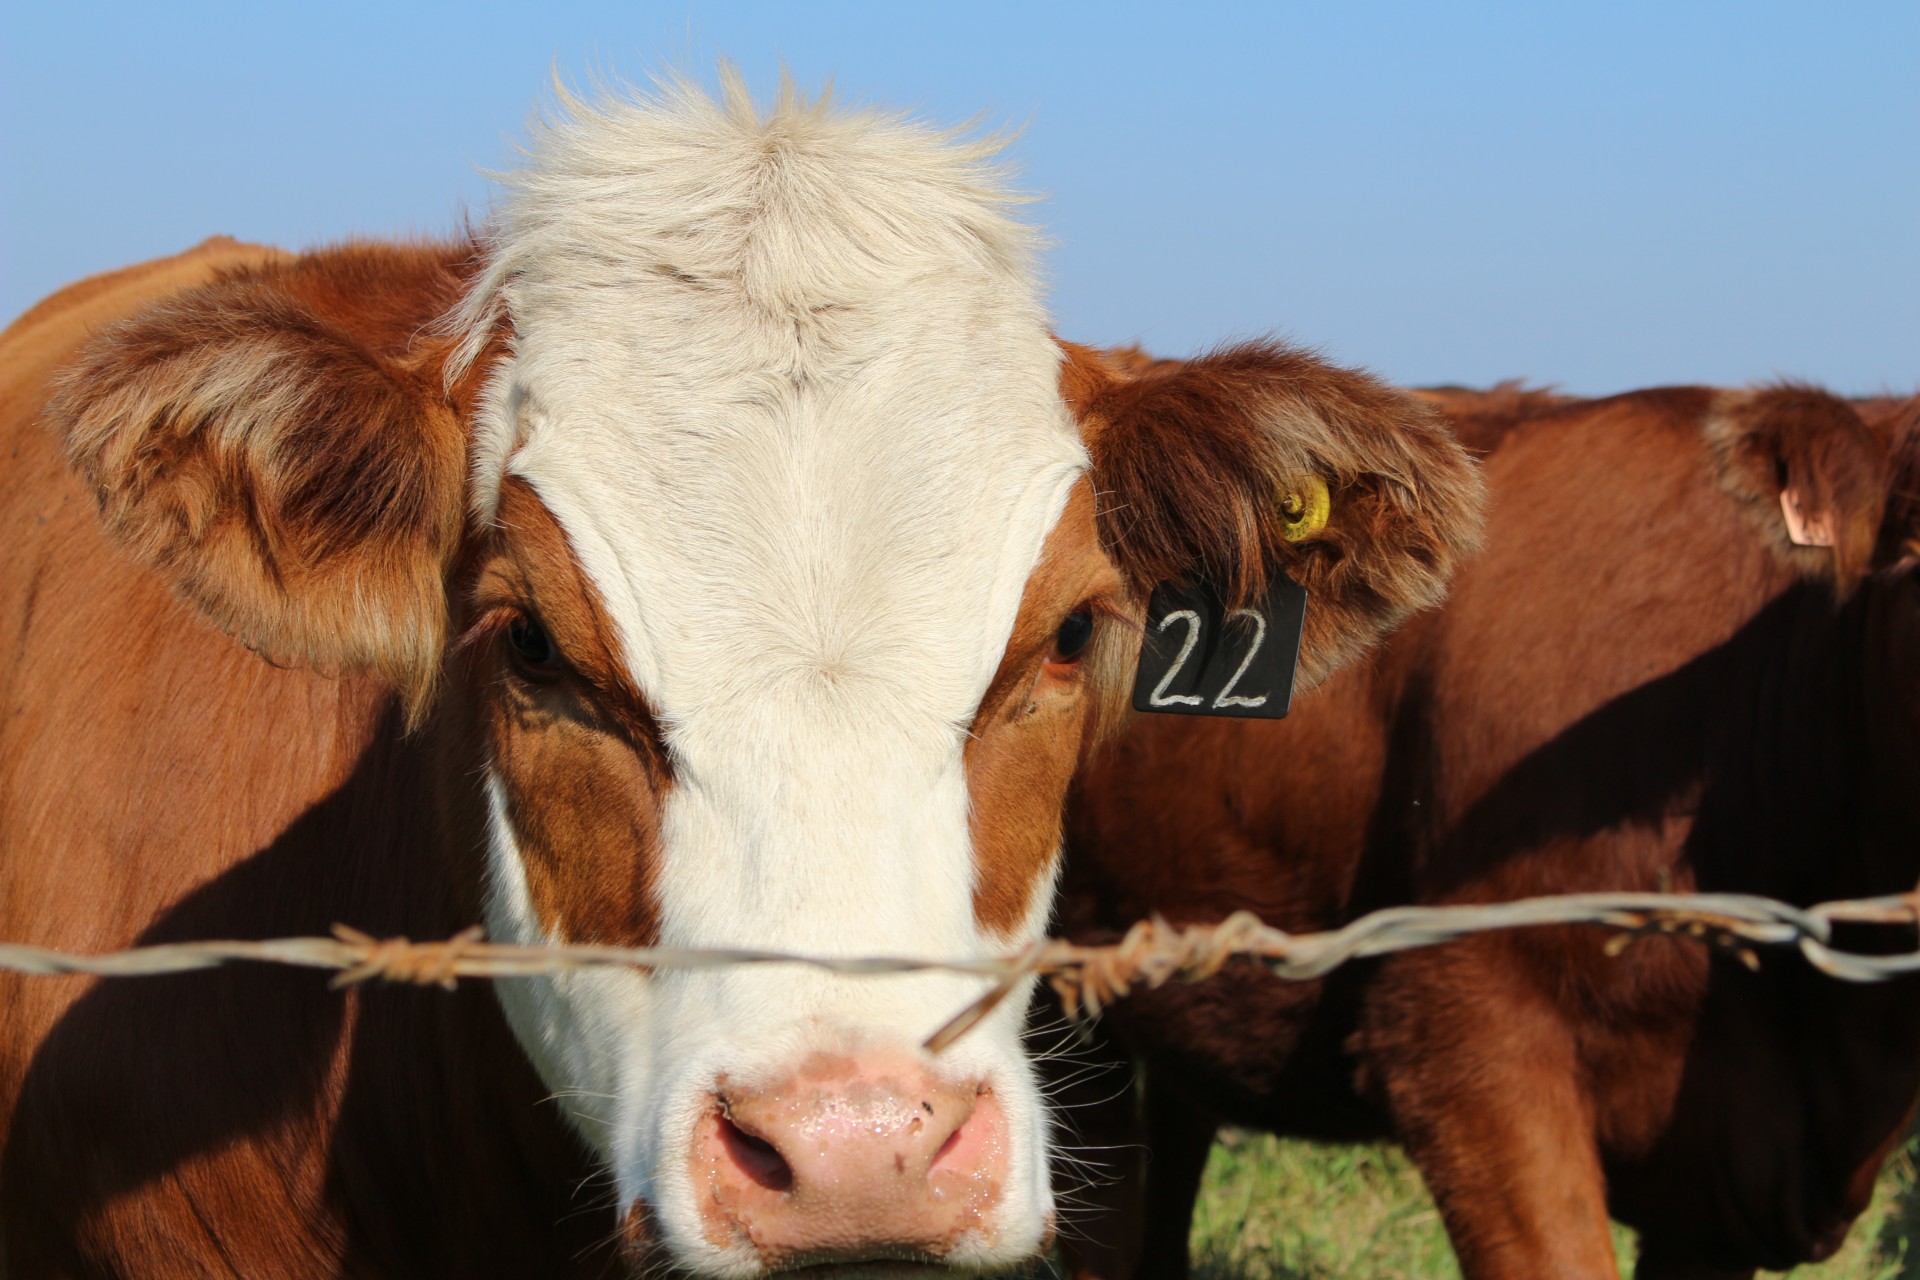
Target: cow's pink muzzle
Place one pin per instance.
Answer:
(850, 1158)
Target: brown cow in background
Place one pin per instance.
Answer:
(1642, 684)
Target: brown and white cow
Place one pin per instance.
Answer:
(742, 563)
(1646, 683)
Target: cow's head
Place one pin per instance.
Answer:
(758, 550)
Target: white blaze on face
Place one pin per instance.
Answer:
(787, 386)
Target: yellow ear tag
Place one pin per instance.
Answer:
(1305, 505)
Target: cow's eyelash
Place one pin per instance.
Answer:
(491, 624)
(1108, 609)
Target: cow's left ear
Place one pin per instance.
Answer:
(1259, 459)
(279, 446)
(1808, 471)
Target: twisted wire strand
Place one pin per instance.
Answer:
(1088, 978)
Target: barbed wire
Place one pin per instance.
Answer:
(1088, 977)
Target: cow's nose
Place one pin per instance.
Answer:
(851, 1158)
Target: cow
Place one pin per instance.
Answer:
(716, 550)
(1688, 658)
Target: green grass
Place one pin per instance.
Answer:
(1272, 1209)
(1277, 1210)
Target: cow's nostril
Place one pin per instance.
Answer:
(946, 1148)
(755, 1157)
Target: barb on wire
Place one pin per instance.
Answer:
(1088, 978)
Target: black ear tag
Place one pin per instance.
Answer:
(1200, 659)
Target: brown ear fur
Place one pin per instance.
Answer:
(1898, 422)
(1774, 438)
(279, 446)
(1190, 460)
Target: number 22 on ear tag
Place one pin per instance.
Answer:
(1200, 658)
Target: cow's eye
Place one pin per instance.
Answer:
(533, 649)
(1070, 641)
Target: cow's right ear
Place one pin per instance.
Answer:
(1260, 459)
(279, 446)
(1808, 472)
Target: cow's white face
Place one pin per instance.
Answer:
(801, 444)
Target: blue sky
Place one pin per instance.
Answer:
(1598, 196)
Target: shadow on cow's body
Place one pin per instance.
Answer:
(353, 1114)
(1629, 691)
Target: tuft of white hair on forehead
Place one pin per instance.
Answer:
(798, 209)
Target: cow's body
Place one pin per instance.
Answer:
(709, 556)
(250, 1114)
(1640, 684)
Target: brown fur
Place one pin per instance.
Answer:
(1481, 419)
(1135, 360)
(1174, 447)
(158, 782)
(279, 445)
(579, 753)
(1025, 741)
(1799, 437)
(1899, 421)
(1633, 688)
(1191, 461)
